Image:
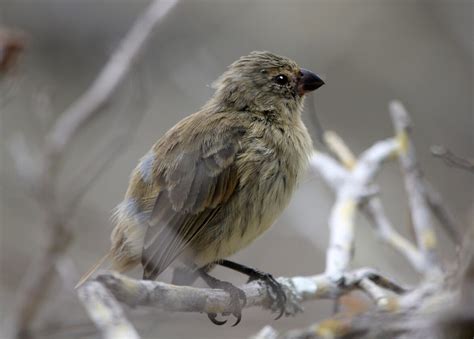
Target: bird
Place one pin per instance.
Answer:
(218, 179)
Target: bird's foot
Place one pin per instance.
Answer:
(238, 299)
(237, 302)
(275, 289)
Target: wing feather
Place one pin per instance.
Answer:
(195, 185)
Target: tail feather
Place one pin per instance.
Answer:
(92, 270)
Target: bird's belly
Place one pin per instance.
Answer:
(251, 217)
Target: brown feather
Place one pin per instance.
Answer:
(194, 187)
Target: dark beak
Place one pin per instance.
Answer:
(308, 82)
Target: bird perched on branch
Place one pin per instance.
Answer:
(219, 178)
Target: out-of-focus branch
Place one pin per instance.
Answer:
(109, 78)
(374, 210)
(329, 169)
(119, 140)
(44, 183)
(339, 148)
(430, 310)
(442, 213)
(106, 312)
(452, 159)
(414, 185)
(353, 190)
(315, 122)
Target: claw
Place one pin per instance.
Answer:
(281, 314)
(238, 315)
(280, 296)
(236, 295)
(212, 317)
(238, 300)
(242, 297)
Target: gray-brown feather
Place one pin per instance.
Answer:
(197, 182)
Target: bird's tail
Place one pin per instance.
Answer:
(92, 270)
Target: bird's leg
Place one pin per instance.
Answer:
(184, 276)
(278, 294)
(236, 294)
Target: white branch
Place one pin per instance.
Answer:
(373, 209)
(106, 312)
(331, 171)
(414, 185)
(375, 213)
(349, 195)
(174, 298)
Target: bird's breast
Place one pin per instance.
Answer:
(269, 169)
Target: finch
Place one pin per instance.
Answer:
(219, 178)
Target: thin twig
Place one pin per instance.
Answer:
(315, 121)
(452, 159)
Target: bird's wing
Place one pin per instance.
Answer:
(198, 176)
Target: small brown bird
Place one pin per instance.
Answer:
(219, 178)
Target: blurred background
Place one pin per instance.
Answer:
(368, 51)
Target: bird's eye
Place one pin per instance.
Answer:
(281, 79)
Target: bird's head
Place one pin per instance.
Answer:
(263, 81)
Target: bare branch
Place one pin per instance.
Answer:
(109, 78)
(340, 149)
(105, 312)
(267, 332)
(375, 212)
(414, 184)
(452, 159)
(205, 300)
(418, 313)
(119, 142)
(315, 121)
(349, 195)
(442, 213)
(330, 170)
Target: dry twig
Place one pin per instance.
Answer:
(452, 159)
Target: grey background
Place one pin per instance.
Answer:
(369, 52)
